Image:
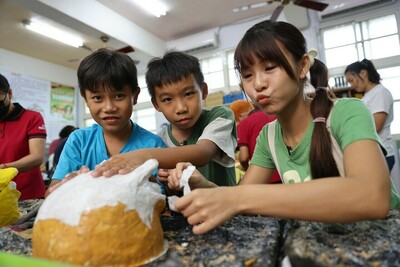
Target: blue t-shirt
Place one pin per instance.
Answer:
(86, 147)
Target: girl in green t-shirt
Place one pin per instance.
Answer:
(273, 64)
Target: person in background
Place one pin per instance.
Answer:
(64, 132)
(59, 149)
(206, 138)
(67, 130)
(240, 108)
(248, 131)
(108, 83)
(22, 143)
(364, 78)
(333, 175)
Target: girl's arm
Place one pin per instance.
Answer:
(363, 194)
(256, 175)
(379, 119)
(244, 156)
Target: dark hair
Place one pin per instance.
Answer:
(4, 85)
(108, 69)
(171, 68)
(263, 42)
(66, 131)
(365, 64)
(320, 77)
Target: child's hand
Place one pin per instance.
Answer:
(176, 174)
(196, 180)
(115, 165)
(162, 175)
(67, 178)
(206, 209)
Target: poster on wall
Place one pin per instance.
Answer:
(62, 110)
(31, 93)
(54, 101)
(62, 102)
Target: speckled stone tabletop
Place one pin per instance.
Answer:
(366, 243)
(243, 241)
(261, 241)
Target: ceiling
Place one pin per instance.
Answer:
(124, 22)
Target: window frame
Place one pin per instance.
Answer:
(359, 17)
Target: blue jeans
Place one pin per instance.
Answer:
(390, 162)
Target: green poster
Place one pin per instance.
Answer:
(62, 101)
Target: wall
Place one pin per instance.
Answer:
(230, 35)
(24, 65)
(21, 64)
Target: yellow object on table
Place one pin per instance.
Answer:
(9, 196)
(239, 173)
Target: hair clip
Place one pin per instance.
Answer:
(312, 53)
(319, 119)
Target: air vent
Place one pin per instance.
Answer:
(195, 43)
(365, 7)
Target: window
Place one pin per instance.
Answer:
(373, 39)
(213, 71)
(144, 112)
(376, 39)
(144, 95)
(89, 121)
(146, 118)
(233, 78)
(391, 80)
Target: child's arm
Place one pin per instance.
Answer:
(70, 158)
(57, 183)
(198, 154)
(362, 195)
(217, 142)
(244, 156)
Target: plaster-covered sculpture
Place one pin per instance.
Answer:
(102, 221)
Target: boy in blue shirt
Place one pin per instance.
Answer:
(108, 83)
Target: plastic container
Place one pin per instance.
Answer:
(229, 98)
(14, 260)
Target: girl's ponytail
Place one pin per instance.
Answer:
(322, 162)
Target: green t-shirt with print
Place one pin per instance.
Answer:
(351, 121)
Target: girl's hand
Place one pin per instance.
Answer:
(67, 178)
(115, 165)
(206, 209)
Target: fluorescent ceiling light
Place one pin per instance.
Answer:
(248, 7)
(54, 33)
(154, 7)
(258, 5)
